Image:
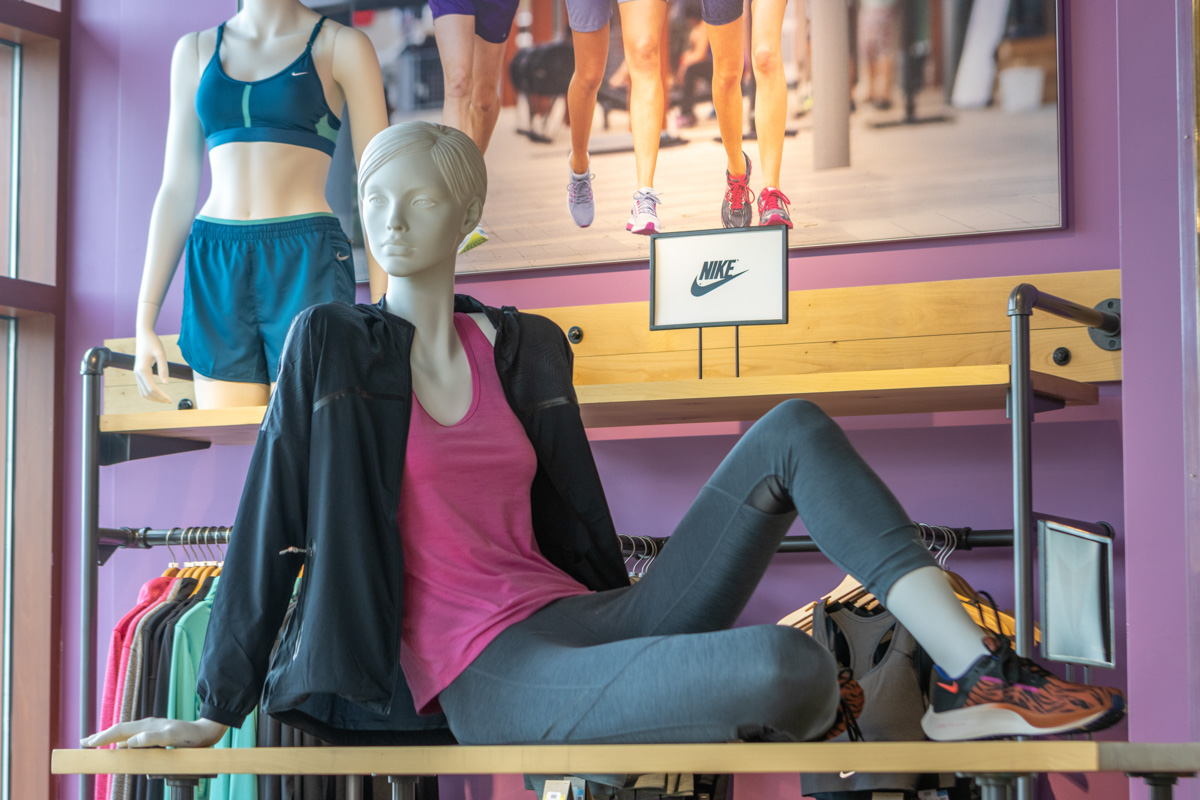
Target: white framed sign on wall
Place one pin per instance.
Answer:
(704, 279)
(719, 278)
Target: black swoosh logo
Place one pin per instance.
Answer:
(700, 291)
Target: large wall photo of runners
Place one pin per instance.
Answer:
(843, 120)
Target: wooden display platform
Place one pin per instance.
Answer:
(711, 400)
(963, 757)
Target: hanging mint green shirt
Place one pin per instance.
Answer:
(185, 703)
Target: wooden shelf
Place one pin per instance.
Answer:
(898, 391)
(840, 394)
(966, 757)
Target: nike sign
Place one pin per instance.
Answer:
(699, 290)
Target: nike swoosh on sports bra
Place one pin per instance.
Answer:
(289, 107)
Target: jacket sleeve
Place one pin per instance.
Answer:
(267, 545)
(571, 518)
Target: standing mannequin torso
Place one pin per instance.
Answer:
(251, 180)
(262, 180)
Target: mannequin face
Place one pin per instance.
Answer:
(412, 221)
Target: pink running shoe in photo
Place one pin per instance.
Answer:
(773, 207)
(643, 218)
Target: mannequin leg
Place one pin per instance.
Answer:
(658, 661)
(549, 679)
(227, 394)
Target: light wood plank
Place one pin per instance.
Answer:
(711, 400)
(839, 394)
(931, 324)
(1088, 362)
(886, 311)
(120, 386)
(219, 426)
(967, 757)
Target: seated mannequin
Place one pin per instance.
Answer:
(429, 470)
(265, 244)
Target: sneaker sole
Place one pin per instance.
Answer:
(992, 721)
(646, 229)
(472, 244)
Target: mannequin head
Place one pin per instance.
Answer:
(421, 188)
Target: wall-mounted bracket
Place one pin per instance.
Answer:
(1104, 339)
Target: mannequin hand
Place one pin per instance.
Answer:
(150, 352)
(157, 732)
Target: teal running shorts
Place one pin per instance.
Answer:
(246, 282)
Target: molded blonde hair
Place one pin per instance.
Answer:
(456, 156)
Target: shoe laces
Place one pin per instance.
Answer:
(580, 190)
(769, 199)
(646, 202)
(737, 190)
(853, 732)
(1012, 666)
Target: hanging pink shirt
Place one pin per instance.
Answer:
(471, 564)
(153, 592)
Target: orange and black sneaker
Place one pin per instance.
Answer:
(849, 707)
(1003, 695)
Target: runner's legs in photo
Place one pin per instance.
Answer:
(471, 38)
(726, 38)
(770, 105)
(642, 23)
(589, 21)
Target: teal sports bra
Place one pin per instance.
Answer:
(289, 107)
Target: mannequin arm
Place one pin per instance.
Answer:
(174, 208)
(157, 732)
(356, 70)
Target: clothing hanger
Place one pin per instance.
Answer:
(189, 564)
(207, 566)
(849, 592)
(172, 566)
(221, 556)
(649, 553)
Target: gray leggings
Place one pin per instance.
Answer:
(658, 661)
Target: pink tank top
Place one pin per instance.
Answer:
(471, 564)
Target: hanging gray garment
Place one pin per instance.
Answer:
(889, 677)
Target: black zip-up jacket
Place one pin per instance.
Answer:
(323, 490)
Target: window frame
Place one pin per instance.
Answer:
(38, 448)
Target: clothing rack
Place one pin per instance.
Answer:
(109, 540)
(1103, 322)
(965, 539)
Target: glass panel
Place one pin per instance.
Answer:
(37, 250)
(7, 330)
(8, 60)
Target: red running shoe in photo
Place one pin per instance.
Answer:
(643, 218)
(773, 207)
(737, 208)
(1003, 695)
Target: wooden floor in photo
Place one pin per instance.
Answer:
(981, 171)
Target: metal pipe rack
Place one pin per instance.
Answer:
(1103, 321)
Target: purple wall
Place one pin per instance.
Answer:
(947, 468)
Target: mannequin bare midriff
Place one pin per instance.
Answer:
(250, 180)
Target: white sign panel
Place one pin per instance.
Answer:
(736, 276)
